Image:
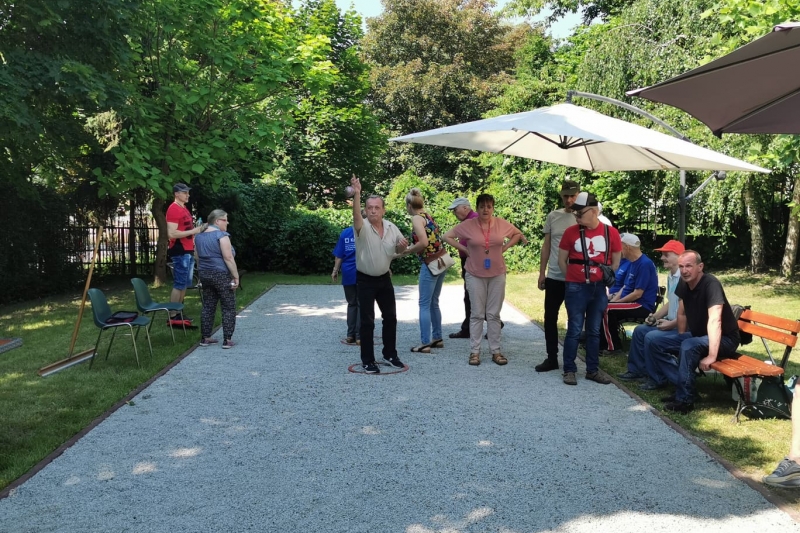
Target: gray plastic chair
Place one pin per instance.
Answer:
(101, 312)
(145, 305)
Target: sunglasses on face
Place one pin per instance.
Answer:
(579, 214)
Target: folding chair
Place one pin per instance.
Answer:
(101, 313)
(145, 305)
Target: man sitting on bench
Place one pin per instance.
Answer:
(707, 331)
(635, 300)
(663, 322)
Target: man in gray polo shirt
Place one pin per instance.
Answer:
(553, 283)
(378, 241)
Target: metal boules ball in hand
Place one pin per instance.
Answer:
(349, 192)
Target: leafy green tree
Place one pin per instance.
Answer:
(437, 63)
(647, 42)
(209, 94)
(590, 10)
(744, 21)
(334, 133)
(58, 62)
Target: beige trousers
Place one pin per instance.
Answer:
(486, 297)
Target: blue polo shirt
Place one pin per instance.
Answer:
(642, 275)
(346, 251)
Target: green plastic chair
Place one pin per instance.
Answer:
(145, 305)
(101, 312)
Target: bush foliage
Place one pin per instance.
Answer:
(39, 258)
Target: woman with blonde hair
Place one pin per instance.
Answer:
(426, 242)
(219, 277)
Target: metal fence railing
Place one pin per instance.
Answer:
(123, 250)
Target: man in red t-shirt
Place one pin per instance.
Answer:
(181, 231)
(582, 250)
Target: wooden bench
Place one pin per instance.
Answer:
(766, 327)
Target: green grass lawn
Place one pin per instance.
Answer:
(754, 446)
(39, 414)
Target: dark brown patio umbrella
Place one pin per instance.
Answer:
(754, 89)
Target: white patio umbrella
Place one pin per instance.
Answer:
(570, 135)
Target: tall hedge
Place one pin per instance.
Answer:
(38, 257)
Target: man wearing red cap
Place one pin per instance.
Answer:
(661, 323)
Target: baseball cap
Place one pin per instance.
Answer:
(570, 187)
(181, 187)
(459, 201)
(672, 246)
(630, 239)
(584, 199)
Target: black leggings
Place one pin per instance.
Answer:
(217, 288)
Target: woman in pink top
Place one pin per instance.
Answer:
(488, 237)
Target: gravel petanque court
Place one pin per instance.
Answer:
(277, 435)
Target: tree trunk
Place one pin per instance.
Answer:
(132, 237)
(757, 260)
(159, 212)
(792, 234)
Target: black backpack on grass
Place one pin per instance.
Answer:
(744, 338)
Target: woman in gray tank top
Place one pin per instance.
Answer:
(219, 278)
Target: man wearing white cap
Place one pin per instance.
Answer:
(581, 252)
(636, 299)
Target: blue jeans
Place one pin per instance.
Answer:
(638, 354)
(680, 370)
(585, 302)
(661, 360)
(430, 316)
(182, 271)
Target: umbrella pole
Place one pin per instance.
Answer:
(629, 107)
(682, 209)
(682, 200)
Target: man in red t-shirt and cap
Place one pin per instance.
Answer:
(181, 232)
